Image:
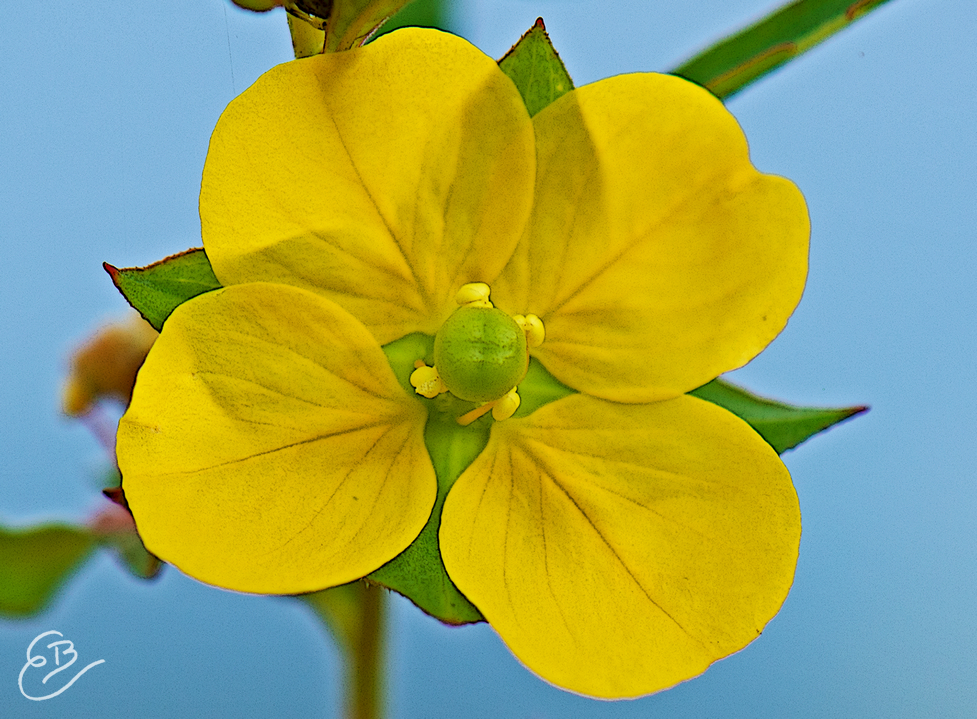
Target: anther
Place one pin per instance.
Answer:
(425, 381)
(475, 294)
(502, 408)
(533, 327)
(506, 406)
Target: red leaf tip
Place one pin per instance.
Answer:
(117, 495)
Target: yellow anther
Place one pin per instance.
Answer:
(426, 382)
(533, 327)
(474, 293)
(506, 406)
(501, 408)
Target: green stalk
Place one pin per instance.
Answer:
(367, 685)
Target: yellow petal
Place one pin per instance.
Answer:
(269, 447)
(657, 256)
(621, 549)
(384, 178)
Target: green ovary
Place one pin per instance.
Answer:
(480, 353)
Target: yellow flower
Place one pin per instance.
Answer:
(619, 539)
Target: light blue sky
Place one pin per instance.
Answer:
(105, 113)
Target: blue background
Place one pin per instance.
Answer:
(105, 113)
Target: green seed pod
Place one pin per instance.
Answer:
(480, 353)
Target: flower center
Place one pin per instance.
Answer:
(480, 355)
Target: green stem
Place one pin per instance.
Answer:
(366, 682)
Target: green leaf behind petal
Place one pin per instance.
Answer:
(782, 425)
(156, 290)
(36, 562)
(536, 69)
(732, 64)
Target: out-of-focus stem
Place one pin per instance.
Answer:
(367, 685)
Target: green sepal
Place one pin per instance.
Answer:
(539, 388)
(35, 563)
(733, 63)
(536, 69)
(418, 572)
(783, 426)
(157, 289)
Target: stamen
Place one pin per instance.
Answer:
(506, 406)
(501, 408)
(425, 381)
(533, 327)
(469, 417)
(474, 293)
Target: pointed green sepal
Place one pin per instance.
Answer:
(783, 426)
(157, 289)
(536, 69)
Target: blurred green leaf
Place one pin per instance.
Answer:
(733, 63)
(36, 562)
(257, 5)
(419, 13)
(782, 425)
(537, 70)
(309, 38)
(116, 531)
(353, 22)
(156, 290)
(133, 555)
